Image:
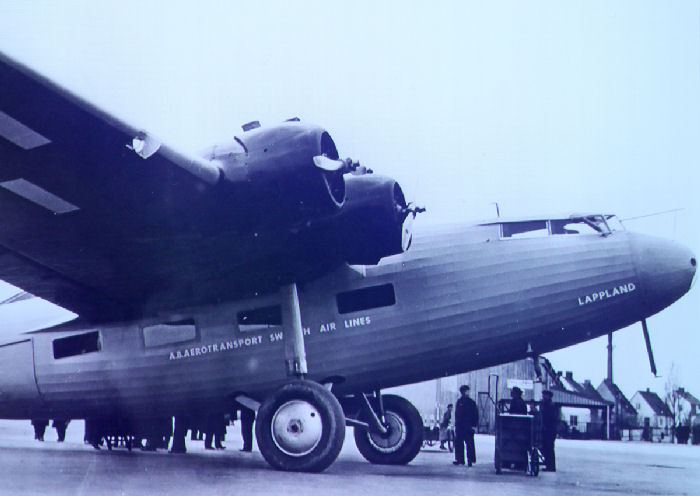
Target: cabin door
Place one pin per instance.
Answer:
(19, 395)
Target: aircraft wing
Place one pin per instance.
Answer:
(93, 211)
(102, 219)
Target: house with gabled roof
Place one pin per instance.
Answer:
(690, 407)
(622, 415)
(653, 415)
(587, 416)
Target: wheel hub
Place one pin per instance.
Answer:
(395, 436)
(297, 428)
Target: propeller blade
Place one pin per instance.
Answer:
(327, 164)
(330, 165)
(407, 233)
(410, 211)
(652, 364)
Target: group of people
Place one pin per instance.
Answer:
(157, 433)
(466, 419)
(40, 426)
(213, 430)
(549, 422)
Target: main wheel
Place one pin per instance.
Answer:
(403, 440)
(300, 427)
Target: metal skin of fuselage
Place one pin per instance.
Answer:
(464, 300)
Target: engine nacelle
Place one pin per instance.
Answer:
(275, 174)
(372, 219)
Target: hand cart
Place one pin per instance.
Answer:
(517, 443)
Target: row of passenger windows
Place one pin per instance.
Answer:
(348, 302)
(255, 319)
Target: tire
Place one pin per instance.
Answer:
(404, 439)
(300, 428)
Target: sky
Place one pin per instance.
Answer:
(545, 107)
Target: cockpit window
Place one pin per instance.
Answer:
(585, 224)
(590, 224)
(529, 229)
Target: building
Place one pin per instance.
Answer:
(653, 415)
(586, 408)
(690, 408)
(688, 423)
(623, 415)
(585, 412)
(487, 386)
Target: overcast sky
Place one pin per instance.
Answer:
(541, 106)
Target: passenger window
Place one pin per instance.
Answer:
(169, 333)
(260, 318)
(78, 344)
(366, 298)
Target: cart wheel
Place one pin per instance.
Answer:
(533, 462)
(497, 461)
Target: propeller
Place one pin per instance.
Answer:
(645, 330)
(330, 165)
(410, 210)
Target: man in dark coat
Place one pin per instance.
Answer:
(39, 428)
(247, 420)
(466, 418)
(60, 425)
(517, 404)
(550, 422)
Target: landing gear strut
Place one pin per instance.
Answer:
(400, 436)
(301, 426)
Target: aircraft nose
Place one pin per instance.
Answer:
(666, 270)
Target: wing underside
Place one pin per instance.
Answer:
(87, 222)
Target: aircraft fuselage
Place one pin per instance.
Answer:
(460, 299)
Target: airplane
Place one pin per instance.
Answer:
(273, 273)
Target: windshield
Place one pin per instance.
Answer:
(590, 224)
(583, 224)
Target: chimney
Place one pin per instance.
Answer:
(569, 375)
(587, 382)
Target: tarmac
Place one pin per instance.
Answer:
(30, 467)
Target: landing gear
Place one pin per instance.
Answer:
(402, 437)
(301, 427)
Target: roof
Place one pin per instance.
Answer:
(571, 398)
(591, 392)
(619, 396)
(689, 397)
(656, 403)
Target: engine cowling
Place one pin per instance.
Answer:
(373, 220)
(276, 173)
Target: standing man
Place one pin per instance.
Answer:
(550, 422)
(466, 418)
(517, 404)
(60, 425)
(247, 421)
(39, 428)
(445, 427)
